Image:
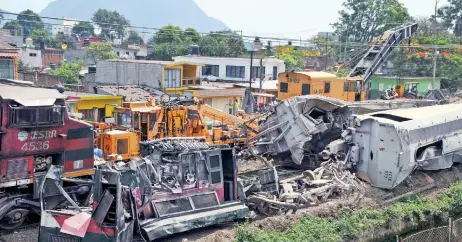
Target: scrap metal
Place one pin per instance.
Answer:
(179, 184)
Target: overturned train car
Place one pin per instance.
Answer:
(180, 184)
(384, 148)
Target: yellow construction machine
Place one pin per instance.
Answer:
(140, 121)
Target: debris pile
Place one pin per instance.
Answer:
(310, 188)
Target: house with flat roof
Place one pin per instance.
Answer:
(235, 69)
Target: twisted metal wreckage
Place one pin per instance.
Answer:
(181, 184)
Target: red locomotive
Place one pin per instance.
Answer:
(36, 132)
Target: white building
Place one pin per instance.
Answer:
(235, 69)
(32, 58)
(64, 27)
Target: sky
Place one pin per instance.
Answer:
(275, 18)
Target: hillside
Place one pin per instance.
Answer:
(149, 13)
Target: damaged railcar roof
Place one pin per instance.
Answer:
(421, 123)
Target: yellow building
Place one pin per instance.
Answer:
(185, 72)
(292, 84)
(94, 107)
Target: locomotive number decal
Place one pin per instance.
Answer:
(39, 140)
(36, 146)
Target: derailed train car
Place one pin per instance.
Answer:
(384, 148)
(180, 184)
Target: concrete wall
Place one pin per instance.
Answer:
(32, 58)
(129, 73)
(41, 79)
(223, 62)
(379, 84)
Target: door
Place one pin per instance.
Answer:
(306, 89)
(172, 78)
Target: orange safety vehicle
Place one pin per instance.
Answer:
(35, 133)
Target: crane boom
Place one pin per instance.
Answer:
(224, 117)
(380, 51)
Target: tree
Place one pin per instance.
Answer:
(37, 34)
(223, 43)
(60, 39)
(84, 27)
(100, 51)
(362, 20)
(293, 59)
(29, 21)
(69, 72)
(169, 34)
(111, 22)
(13, 26)
(134, 38)
(192, 34)
(452, 16)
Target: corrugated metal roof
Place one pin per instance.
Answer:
(221, 93)
(318, 74)
(6, 46)
(28, 93)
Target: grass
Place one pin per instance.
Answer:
(365, 224)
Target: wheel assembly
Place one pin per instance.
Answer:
(13, 219)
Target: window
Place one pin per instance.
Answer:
(211, 70)
(122, 146)
(257, 71)
(6, 68)
(381, 87)
(136, 120)
(352, 86)
(124, 120)
(284, 87)
(128, 53)
(32, 54)
(346, 86)
(306, 89)
(36, 117)
(326, 87)
(275, 72)
(152, 120)
(235, 71)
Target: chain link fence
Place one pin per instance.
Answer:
(450, 233)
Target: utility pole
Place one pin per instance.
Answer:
(251, 67)
(261, 74)
(325, 61)
(435, 53)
